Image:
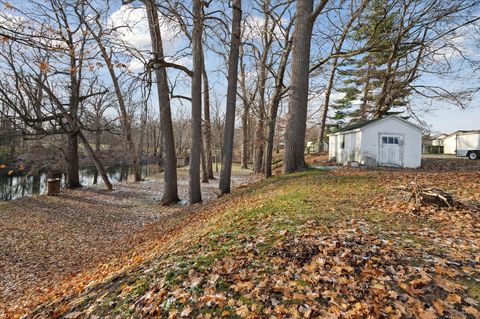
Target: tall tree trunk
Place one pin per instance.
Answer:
(141, 139)
(273, 109)
(207, 120)
(98, 140)
(245, 113)
(270, 137)
(167, 140)
(245, 139)
(204, 164)
(293, 159)
(259, 140)
(73, 178)
(194, 189)
(229, 130)
(326, 103)
(260, 128)
(155, 142)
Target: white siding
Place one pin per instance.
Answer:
(345, 147)
(450, 144)
(412, 140)
(332, 147)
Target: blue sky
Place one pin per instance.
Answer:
(449, 119)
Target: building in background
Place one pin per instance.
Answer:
(389, 141)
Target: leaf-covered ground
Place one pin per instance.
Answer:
(320, 244)
(52, 246)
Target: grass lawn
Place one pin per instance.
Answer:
(337, 244)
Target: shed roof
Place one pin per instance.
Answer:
(357, 125)
(362, 124)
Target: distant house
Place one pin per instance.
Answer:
(389, 141)
(460, 142)
(433, 144)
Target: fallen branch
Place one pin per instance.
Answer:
(428, 196)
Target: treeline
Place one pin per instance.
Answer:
(67, 69)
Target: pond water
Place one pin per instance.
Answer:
(13, 187)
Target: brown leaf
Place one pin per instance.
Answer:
(243, 311)
(454, 298)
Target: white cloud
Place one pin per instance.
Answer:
(133, 27)
(136, 65)
(254, 26)
(458, 44)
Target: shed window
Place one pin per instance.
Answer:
(390, 140)
(342, 143)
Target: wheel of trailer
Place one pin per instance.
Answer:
(472, 155)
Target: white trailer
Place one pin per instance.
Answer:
(463, 143)
(468, 144)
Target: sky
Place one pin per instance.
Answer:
(449, 119)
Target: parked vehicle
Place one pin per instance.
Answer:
(468, 144)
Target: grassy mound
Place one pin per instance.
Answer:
(315, 244)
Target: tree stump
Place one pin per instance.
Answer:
(53, 186)
(54, 178)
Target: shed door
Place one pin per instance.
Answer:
(391, 150)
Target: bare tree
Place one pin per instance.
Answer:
(170, 194)
(95, 28)
(278, 94)
(306, 15)
(60, 48)
(225, 176)
(207, 121)
(195, 193)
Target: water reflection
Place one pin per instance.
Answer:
(13, 187)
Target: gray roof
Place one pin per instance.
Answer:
(362, 124)
(357, 125)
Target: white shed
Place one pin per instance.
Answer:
(389, 141)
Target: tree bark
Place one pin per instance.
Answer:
(259, 139)
(293, 159)
(204, 164)
(229, 130)
(245, 113)
(167, 141)
(71, 158)
(207, 121)
(194, 189)
(273, 109)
